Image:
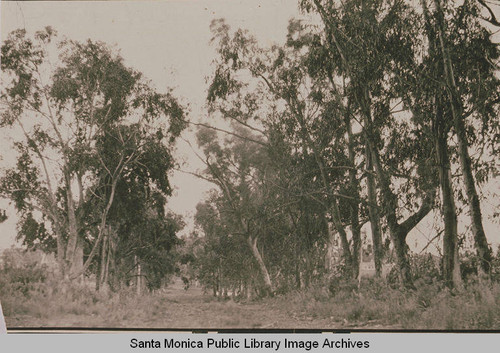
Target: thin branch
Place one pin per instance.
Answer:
(228, 132)
(430, 241)
(196, 175)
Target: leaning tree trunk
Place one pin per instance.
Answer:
(481, 242)
(268, 287)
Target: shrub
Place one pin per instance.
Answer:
(425, 267)
(21, 273)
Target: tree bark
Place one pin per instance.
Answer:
(268, 288)
(402, 260)
(451, 266)
(102, 263)
(482, 247)
(354, 204)
(72, 251)
(373, 214)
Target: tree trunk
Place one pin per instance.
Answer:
(268, 288)
(354, 204)
(105, 280)
(402, 261)
(482, 247)
(373, 214)
(346, 251)
(73, 253)
(399, 231)
(480, 240)
(440, 129)
(61, 249)
(297, 268)
(102, 264)
(451, 266)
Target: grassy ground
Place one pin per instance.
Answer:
(374, 306)
(171, 308)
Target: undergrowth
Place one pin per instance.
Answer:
(377, 304)
(32, 294)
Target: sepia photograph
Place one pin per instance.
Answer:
(250, 165)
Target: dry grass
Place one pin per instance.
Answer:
(375, 305)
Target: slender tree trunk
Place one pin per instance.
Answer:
(102, 265)
(440, 129)
(268, 288)
(307, 271)
(481, 242)
(215, 281)
(73, 253)
(78, 258)
(219, 278)
(373, 214)
(354, 204)
(482, 247)
(109, 262)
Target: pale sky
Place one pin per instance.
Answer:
(168, 41)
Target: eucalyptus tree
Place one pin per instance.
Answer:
(367, 41)
(469, 60)
(300, 117)
(432, 97)
(65, 107)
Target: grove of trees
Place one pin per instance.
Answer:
(379, 114)
(382, 113)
